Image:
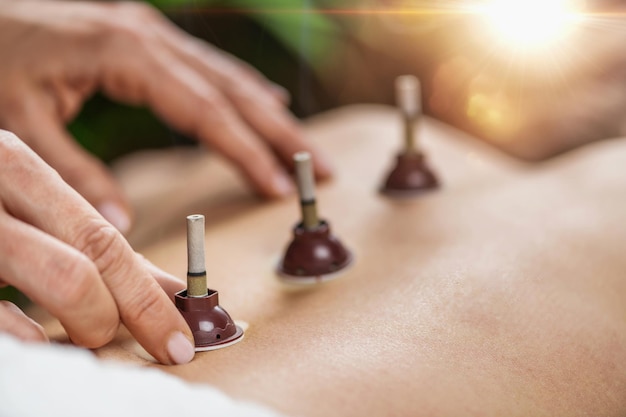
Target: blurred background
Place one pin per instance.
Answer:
(325, 54)
(532, 77)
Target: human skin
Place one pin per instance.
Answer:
(56, 54)
(500, 294)
(60, 252)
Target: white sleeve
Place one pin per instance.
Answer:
(53, 380)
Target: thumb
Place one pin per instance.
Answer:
(46, 135)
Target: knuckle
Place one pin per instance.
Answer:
(146, 305)
(219, 115)
(126, 33)
(103, 245)
(121, 32)
(134, 22)
(138, 10)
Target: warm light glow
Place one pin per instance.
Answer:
(532, 23)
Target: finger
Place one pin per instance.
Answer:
(224, 63)
(170, 283)
(281, 94)
(39, 125)
(183, 98)
(143, 306)
(15, 322)
(60, 279)
(147, 310)
(281, 131)
(253, 96)
(69, 95)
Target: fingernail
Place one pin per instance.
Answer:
(180, 349)
(282, 185)
(116, 215)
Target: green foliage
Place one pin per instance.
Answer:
(109, 129)
(295, 23)
(299, 34)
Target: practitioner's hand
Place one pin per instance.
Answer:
(64, 256)
(55, 54)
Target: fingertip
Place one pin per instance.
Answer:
(180, 349)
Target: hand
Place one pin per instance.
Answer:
(64, 256)
(55, 54)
